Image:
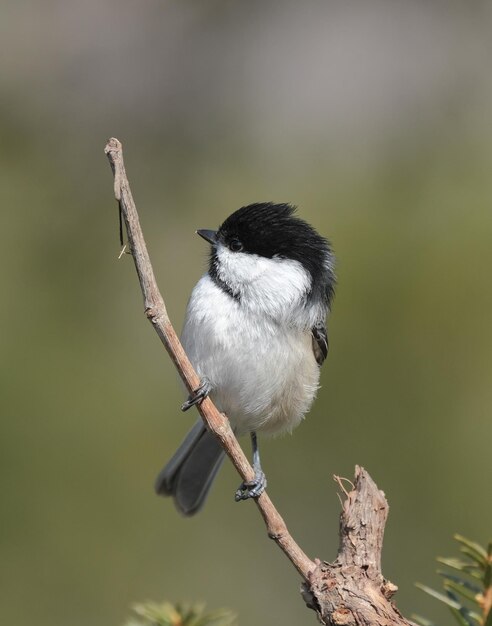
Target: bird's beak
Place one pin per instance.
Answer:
(208, 235)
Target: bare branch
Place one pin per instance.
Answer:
(156, 312)
(352, 590)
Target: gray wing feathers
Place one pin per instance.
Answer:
(189, 474)
(320, 342)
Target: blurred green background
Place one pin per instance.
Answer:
(374, 118)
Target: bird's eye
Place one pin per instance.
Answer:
(236, 245)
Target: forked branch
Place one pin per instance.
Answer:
(350, 591)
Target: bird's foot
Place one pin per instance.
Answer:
(252, 488)
(198, 395)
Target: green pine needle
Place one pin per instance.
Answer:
(480, 554)
(462, 566)
(461, 619)
(466, 599)
(167, 614)
(440, 596)
(473, 587)
(422, 621)
(462, 591)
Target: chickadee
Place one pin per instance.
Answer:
(255, 333)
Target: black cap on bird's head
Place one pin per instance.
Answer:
(273, 230)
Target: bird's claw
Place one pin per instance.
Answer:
(252, 488)
(198, 395)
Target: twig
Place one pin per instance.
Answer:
(156, 312)
(350, 591)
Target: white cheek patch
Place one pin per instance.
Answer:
(238, 268)
(276, 287)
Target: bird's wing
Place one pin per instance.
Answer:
(320, 342)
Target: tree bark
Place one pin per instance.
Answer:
(352, 590)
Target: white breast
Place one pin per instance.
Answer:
(256, 352)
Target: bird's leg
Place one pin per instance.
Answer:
(253, 488)
(198, 395)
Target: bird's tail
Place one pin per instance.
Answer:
(189, 474)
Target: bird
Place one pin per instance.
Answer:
(255, 331)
